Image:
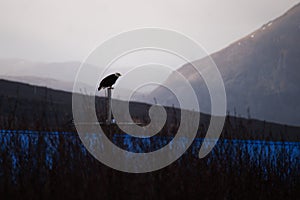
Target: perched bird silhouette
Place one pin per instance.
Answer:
(109, 81)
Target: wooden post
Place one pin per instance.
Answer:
(109, 105)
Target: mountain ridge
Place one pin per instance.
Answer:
(260, 72)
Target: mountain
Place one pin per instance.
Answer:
(63, 71)
(52, 75)
(261, 73)
(40, 81)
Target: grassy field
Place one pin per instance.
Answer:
(42, 157)
(47, 165)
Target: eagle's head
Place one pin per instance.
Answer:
(117, 74)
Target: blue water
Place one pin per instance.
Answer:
(265, 155)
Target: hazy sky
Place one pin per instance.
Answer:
(64, 30)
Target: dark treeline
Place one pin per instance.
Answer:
(26, 107)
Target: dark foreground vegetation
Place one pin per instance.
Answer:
(49, 165)
(51, 162)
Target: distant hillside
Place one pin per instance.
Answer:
(24, 106)
(58, 76)
(64, 71)
(41, 81)
(261, 73)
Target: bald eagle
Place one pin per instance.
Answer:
(109, 81)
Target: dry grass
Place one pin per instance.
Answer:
(41, 165)
(52, 165)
